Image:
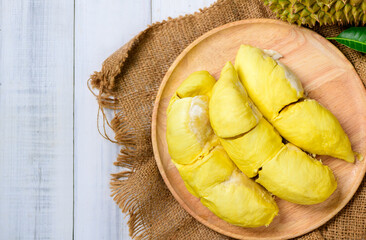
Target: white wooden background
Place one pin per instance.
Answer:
(54, 166)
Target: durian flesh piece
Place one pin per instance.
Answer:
(296, 177)
(227, 192)
(275, 92)
(188, 128)
(251, 150)
(241, 201)
(207, 170)
(269, 84)
(315, 129)
(229, 96)
(325, 12)
(198, 83)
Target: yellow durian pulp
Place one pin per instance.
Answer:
(227, 192)
(251, 150)
(188, 128)
(229, 96)
(269, 84)
(209, 169)
(287, 171)
(315, 129)
(198, 83)
(296, 177)
(206, 169)
(241, 201)
(278, 93)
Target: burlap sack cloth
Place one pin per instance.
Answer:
(128, 83)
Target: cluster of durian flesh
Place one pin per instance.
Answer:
(222, 134)
(325, 12)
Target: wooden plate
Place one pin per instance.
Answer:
(326, 75)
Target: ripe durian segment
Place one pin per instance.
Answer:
(231, 113)
(240, 201)
(312, 127)
(229, 194)
(296, 177)
(198, 83)
(270, 84)
(207, 170)
(253, 149)
(188, 128)
(325, 12)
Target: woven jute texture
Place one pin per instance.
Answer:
(128, 83)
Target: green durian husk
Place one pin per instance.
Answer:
(323, 12)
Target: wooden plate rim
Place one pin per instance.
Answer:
(154, 126)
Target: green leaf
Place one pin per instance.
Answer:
(354, 37)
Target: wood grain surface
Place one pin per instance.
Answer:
(326, 75)
(36, 126)
(101, 27)
(54, 166)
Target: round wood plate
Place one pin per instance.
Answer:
(326, 75)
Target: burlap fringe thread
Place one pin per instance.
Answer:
(104, 81)
(120, 193)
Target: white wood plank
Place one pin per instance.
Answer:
(101, 28)
(162, 9)
(36, 125)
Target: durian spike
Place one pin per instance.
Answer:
(278, 11)
(285, 13)
(312, 21)
(325, 8)
(283, 3)
(347, 8)
(314, 8)
(356, 2)
(356, 13)
(307, 3)
(304, 13)
(334, 20)
(331, 3)
(297, 7)
(327, 2)
(331, 11)
(363, 7)
(327, 20)
(271, 3)
(293, 17)
(340, 17)
(320, 15)
(339, 5)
